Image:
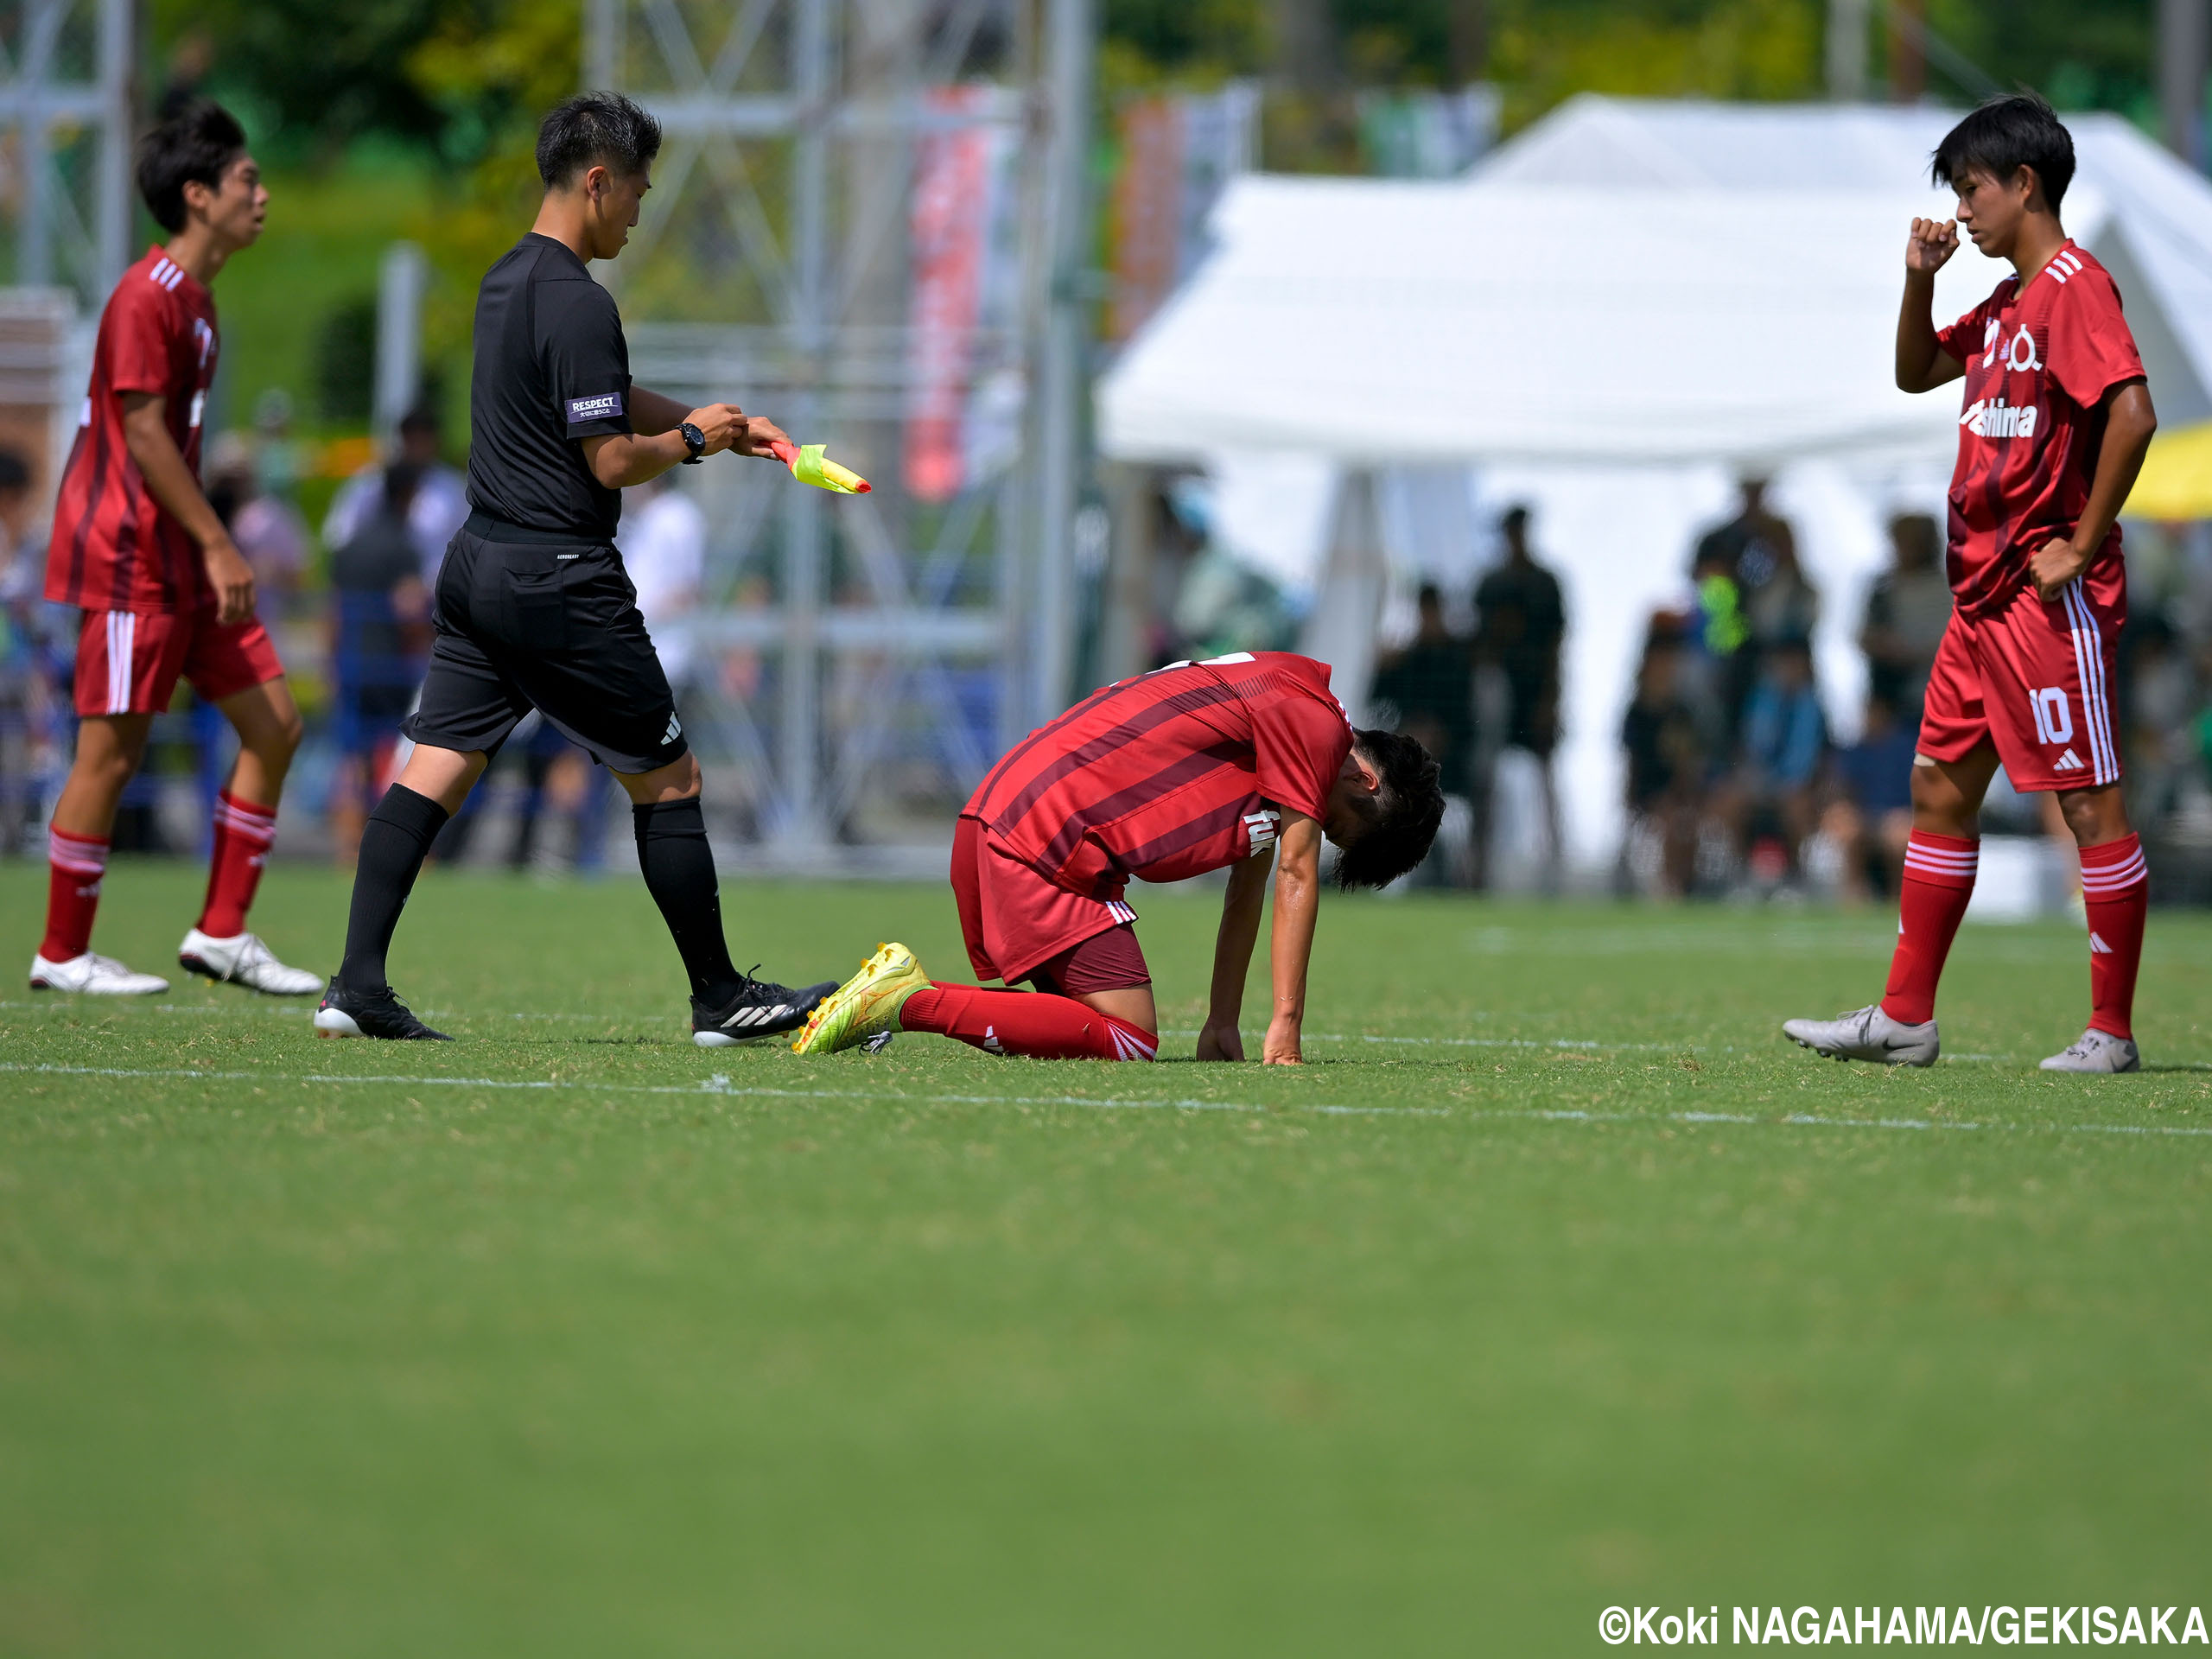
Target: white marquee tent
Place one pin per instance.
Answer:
(1616, 315)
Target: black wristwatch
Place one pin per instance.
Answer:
(695, 441)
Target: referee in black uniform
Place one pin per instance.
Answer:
(533, 608)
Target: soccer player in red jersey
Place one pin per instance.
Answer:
(1238, 763)
(164, 593)
(2057, 421)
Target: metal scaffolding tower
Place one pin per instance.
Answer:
(65, 124)
(881, 648)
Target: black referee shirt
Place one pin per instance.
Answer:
(552, 367)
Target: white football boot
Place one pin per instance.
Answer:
(1866, 1035)
(94, 976)
(243, 961)
(2096, 1050)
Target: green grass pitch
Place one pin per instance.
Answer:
(1557, 1280)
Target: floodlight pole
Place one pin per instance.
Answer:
(2183, 41)
(32, 101)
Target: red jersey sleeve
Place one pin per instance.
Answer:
(2091, 349)
(1300, 735)
(1962, 339)
(141, 344)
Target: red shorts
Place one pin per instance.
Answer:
(1018, 926)
(2036, 680)
(129, 662)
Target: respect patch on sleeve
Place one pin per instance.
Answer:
(607, 406)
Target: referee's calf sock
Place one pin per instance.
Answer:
(1932, 898)
(2116, 892)
(1035, 1023)
(679, 869)
(394, 842)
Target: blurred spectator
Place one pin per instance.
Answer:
(1520, 621)
(1907, 610)
(1430, 685)
(1429, 689)
(276, 459)
(1750, 551)
(1868, 819)
(1786, 605)
(441, 495)
(1785, 738)
(379, 645)
(2160, 701)
(664, 545)
(1667, 771)
(21, 572)
(268, 530)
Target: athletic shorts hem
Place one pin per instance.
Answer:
(2033, 680)
(129, 662)
(1013, 920)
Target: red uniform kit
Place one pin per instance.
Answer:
(2033, 675)
(1168, 775)
(148, 613)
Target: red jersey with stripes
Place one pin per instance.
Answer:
(1170, 774)
(113, 547)
(2039, 360)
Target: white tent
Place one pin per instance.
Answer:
(1620, 311)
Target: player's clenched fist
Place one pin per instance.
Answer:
(1932, 242)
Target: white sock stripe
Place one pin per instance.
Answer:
(80, 857)
(2114, 877)
(1942, 856)
(254, 828)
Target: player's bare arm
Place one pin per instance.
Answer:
(1219, 1038)
(146, 434)
(1923, 365)
(618, 460)
(2130, 421)
(1290, 950)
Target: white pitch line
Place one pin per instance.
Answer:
(718, 1084)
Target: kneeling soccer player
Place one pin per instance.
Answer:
(2055, 425)
(1193, 767)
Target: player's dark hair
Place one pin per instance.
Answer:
(1406, 812)
(605, 129)
(14, 472)
(195, 145)
(421, 418)
(2004, 135)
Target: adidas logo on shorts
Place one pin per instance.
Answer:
(2068, 761)
(676, 730)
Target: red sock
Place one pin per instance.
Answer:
(74, 867)
(243, 833)
(1035, 1023)
(2116, 890)
(1931, 900)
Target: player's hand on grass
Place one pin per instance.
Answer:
(1931, 245)
(1221, 1042)
(231, 578)
(1282, 1045)
(2054, 564)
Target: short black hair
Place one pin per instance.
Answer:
(603, 128)
(2003, 134)
(14, 472)
(195, 145)
(1406, 810)
(423, 418)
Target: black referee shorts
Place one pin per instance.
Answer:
(551, 625)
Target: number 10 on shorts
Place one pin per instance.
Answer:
(2054, 723)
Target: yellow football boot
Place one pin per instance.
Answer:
(865, 1006)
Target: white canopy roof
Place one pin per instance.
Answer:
(1627, 283)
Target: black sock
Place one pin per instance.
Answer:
(679, 870)
(393, 843)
